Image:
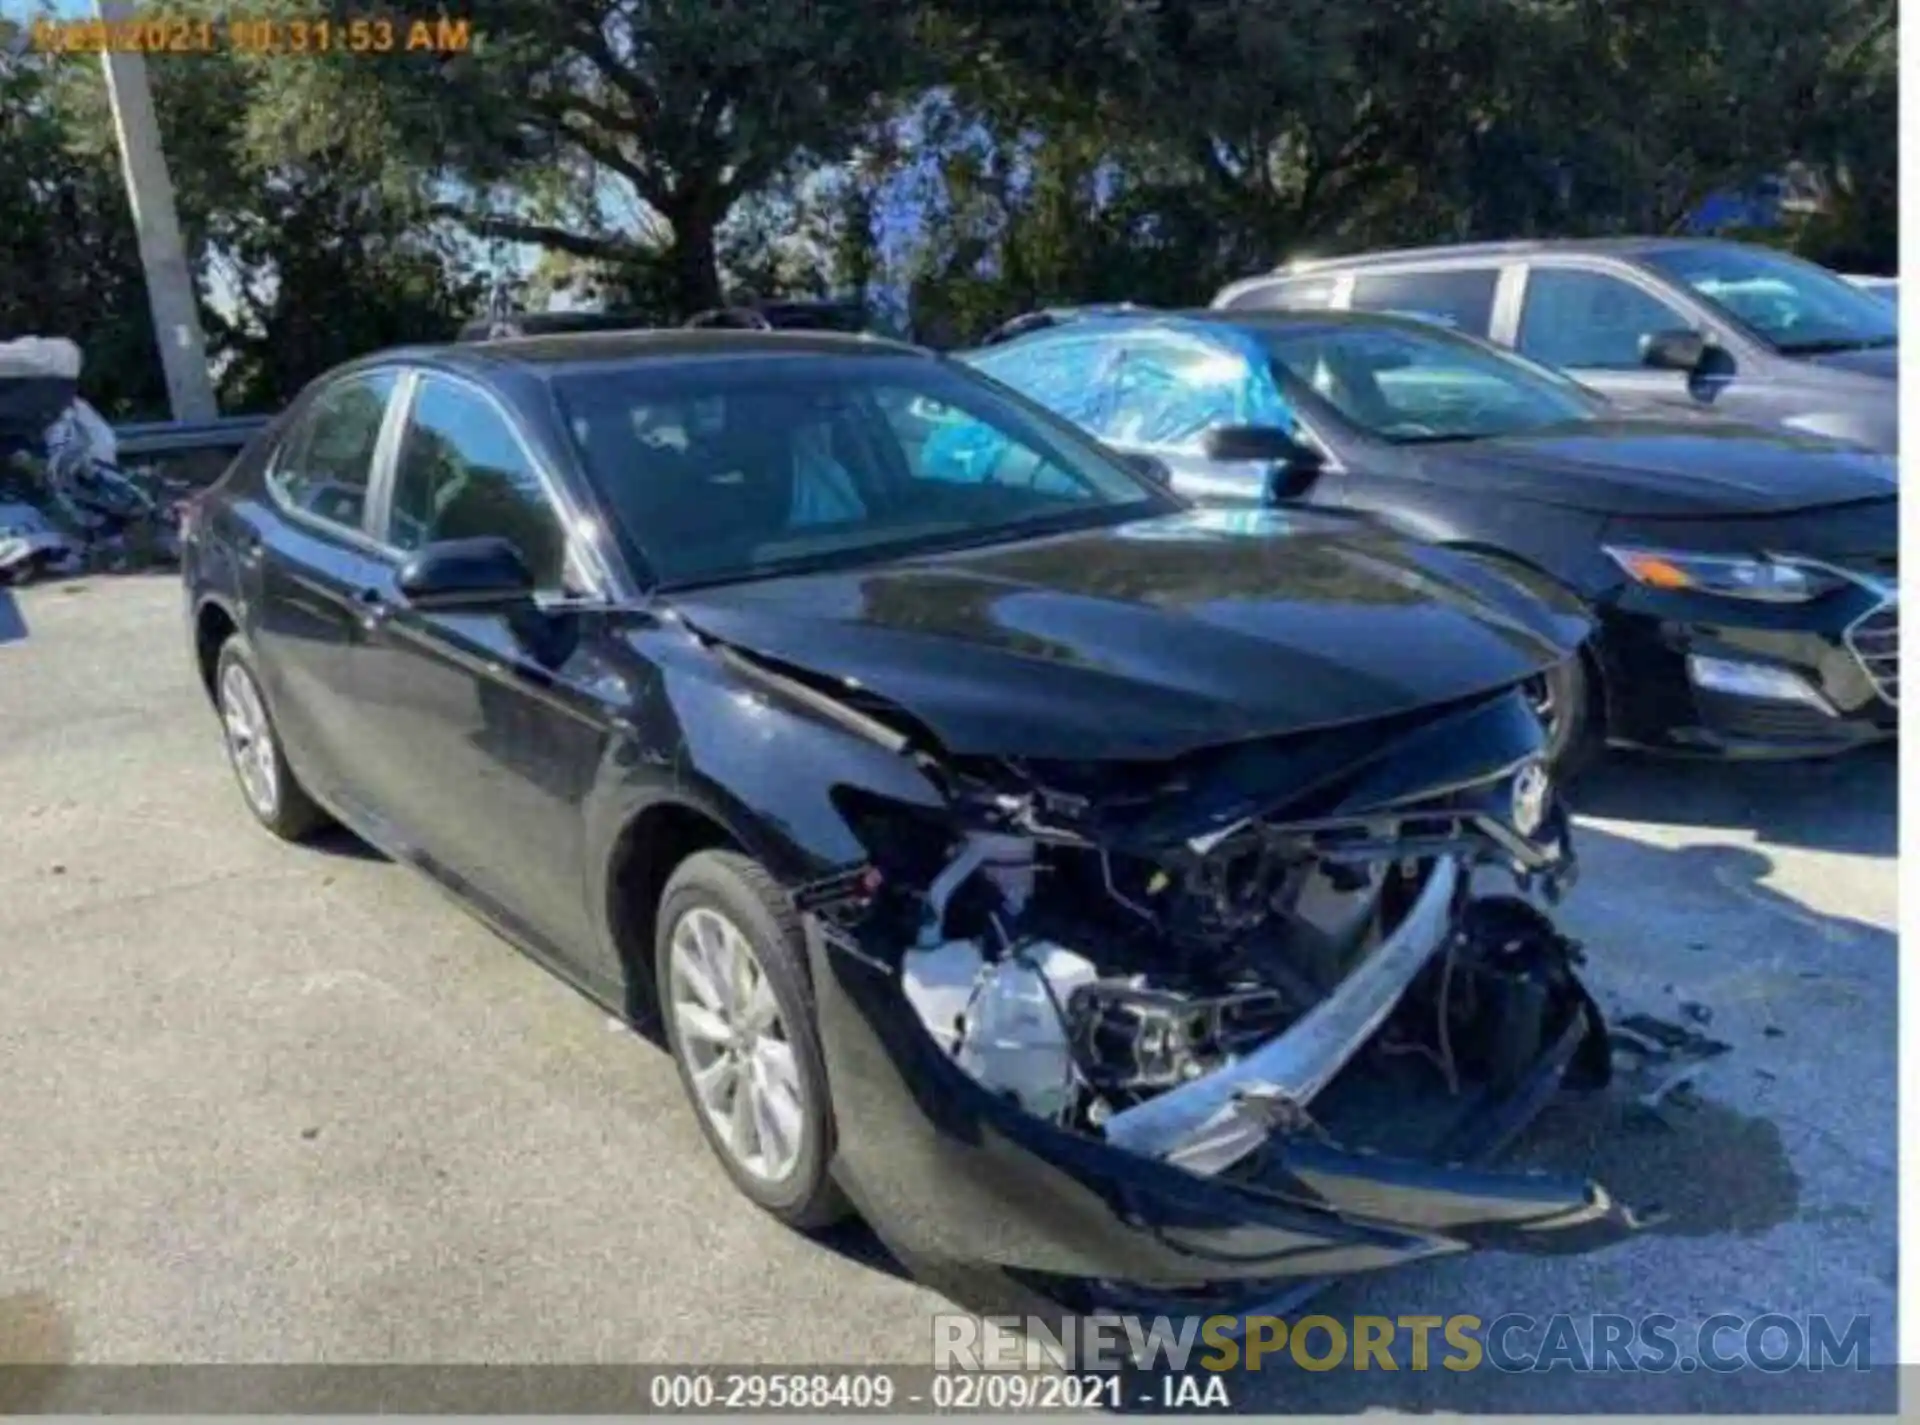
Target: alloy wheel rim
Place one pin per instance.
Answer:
(249, 739)
(1540, 695)
(735, 1046)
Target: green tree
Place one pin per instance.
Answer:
(625, 132)
(69, 260)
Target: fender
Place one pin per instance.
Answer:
(791, 825)
(1560, 596)
(1550, 589)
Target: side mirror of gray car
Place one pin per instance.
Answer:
(1673, 351)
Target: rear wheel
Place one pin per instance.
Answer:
(267, 783)
(738, 1004)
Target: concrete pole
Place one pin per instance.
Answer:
(163, 255)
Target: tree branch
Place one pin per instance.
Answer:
(539, 234)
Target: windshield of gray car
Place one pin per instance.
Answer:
(1409, 385)
(743, 467)
(1793, 306)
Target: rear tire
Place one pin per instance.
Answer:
(267, 781)
(736, 999)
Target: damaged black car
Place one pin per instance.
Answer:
(1113, 901)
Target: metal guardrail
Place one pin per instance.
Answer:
(146, 439)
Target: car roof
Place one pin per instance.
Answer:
(547, 355)
(1197, 321)
(1470, 251)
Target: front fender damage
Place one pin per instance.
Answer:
(1208, 1025)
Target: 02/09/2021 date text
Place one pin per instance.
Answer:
(159, 32)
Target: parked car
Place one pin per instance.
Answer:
(1743, 577)
(1044, 866)
(1742, 331)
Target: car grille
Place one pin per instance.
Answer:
(1874, 639)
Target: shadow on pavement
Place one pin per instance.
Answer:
(338, 841)
(13, 624)
(1847, 803)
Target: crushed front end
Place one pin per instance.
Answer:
(1196, 1031)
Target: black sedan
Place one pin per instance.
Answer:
(1058, 874)
(1744, 579)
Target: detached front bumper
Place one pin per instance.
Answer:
(1000, 1207)
(1716, 677)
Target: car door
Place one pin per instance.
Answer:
(1590, 322)
(484, 727)
(304, 555)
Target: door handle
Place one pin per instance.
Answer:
(253, 549)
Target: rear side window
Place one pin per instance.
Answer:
(1170, 396)
(1074, 377)
(1308, 294)
(326, 464)
(1589, 320)
(1459, 299)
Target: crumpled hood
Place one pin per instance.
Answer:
(1671, 468)
(1149, 639)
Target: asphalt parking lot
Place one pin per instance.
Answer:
(275, 1104)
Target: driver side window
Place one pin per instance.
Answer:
(463, 474)
(1589, 320)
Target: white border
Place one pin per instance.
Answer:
(1909, 1089)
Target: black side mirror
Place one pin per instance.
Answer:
(1258, 443)
(466, 574)
(1673, 351)
(1295, 465)
(1151, 466)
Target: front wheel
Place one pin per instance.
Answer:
(737, 999)
(1562, 698)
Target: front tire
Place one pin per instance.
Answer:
(737, 1001)
(1563, 698)
(267, 782)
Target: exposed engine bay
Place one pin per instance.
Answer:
(1191, 1002)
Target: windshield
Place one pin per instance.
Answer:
(1792, 305)
(1412, 385)
(743, 467)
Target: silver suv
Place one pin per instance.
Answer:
(1719, 327)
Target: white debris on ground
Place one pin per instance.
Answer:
(30, 545)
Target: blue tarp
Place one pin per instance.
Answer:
(1141, 382)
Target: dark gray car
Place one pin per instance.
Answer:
(1718, 327)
